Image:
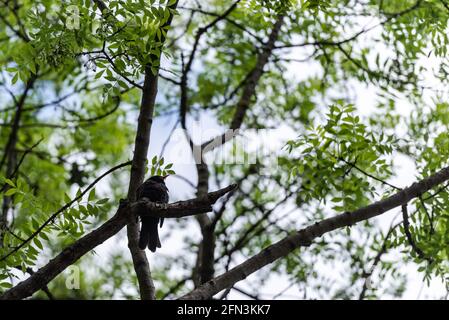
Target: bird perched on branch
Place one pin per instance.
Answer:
(155, 190)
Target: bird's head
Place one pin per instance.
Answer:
(158, 179)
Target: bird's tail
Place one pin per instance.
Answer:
(153, 241)
(149, 235)
(144, 236)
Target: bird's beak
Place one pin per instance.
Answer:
(165, 177)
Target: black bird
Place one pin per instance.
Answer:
(155, 190)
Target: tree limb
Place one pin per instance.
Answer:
(88, 242)
(141, 145)
(305, 236)
(248, 90)
(181, 208)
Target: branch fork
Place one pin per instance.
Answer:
(179, 209)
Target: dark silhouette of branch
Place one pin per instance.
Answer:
(330, 42)
(9, 153)
(175, 288)
(16, 122)
(45, 289)
(409, 236)
(380, 253)
(231, 21)
(248, 234)
(249, 295)
(16, 169)
(97, 117)
(116, 69)
(67, 257)
(181, 208)
(353, 165)
(57, 101)
(304, 237)
(141, 145)
(102, 6)
(20, 33)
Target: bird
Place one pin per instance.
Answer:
(155, 190)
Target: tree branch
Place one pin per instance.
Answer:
(181, 208)
(305, 236)
(205, 261)
(141, 145)
(248, 90)
(409, 236)
(376, 260)
(45, 289)
(67, 257)
(107, 230)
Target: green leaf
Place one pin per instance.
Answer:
(91, 195)
(67, 199)
(9, 181)
(10, 192)
(15, 78)
(6, 285)
(93, 210)
(35, 223)
(99, 74)
(102, 201)
(44, 235)
(78, 195)
(83, 210)
(32, 250)
(38, 243)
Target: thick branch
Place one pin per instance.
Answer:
(10, 145)
(376, 260)
(102, 6)
(44, 289)
(181, 208)
(142, 142)
(305, 236)
(141, 145)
